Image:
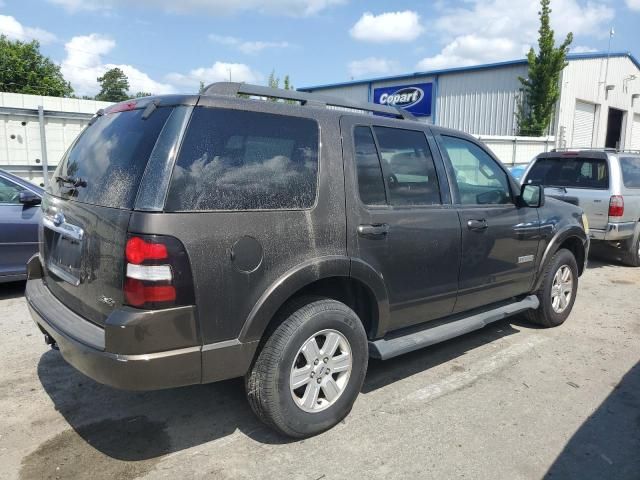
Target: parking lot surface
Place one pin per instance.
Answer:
(507, 402)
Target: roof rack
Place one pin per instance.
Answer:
(593, 149)
(233, 89)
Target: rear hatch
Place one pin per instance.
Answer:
(88, 206)
(580, 180)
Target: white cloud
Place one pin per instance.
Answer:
(506, 29)
(218, 72)
(472, 50)
(14, 30)
(83, 64)
(633, 4)
(211, 7)
(387, 27)
(371, 66)
(246, 46)
(583, 49)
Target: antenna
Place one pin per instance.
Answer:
(612, 32)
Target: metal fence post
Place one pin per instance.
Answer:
(514, 153)
(43, 147)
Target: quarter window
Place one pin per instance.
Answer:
(239, 160)
(630, 171)
(480, 179)
(408, 167)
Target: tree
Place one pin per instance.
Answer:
(142, 94)
(274, 82)
(23, 69)
(114, 86)
(541, 89)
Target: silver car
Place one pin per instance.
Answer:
(606, 184)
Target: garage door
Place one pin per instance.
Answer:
(635, 133)
(583, 122)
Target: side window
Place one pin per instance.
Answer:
(480, 180)
(408, 167)
(239, 160)
(370, 182)
(9, 192)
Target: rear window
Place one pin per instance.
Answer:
(571, 172)
(239, 160)
(630, 171)
(109, 157)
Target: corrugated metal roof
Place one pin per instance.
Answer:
(486, 66)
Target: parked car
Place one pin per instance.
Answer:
(517, 171)
(606, 184)
(286, 242)
(19, 218)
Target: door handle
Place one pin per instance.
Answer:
(376, 230)
(477, 225)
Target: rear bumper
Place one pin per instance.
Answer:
(614, 231)
(90, 348)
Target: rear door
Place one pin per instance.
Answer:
(499, 238)
(18, 229)
(400, 219)
(88, 206)
(578, 179)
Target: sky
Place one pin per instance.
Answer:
(168, 46)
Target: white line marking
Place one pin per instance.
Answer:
(475, 370)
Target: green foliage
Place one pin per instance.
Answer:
(541, 89)
(202, 87)
(114, 86)
(274, 82)
(23, 69)
(142, 94)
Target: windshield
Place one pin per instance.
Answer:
(106, 163)
(571, 172)
(630, 171)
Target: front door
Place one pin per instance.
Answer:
(400, 219)
(499, 238)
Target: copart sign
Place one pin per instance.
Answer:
(413, 98)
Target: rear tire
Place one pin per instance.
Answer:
(632, 257)
(309, 371)
(558, 291)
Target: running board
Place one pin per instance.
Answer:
(386, 348)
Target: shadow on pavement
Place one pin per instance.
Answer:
(11, 290)
(607, 445)
(135, 426)
(381, 374)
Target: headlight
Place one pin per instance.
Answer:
(585, 223)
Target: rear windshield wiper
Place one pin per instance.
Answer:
(75, 182)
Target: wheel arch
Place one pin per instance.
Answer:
(572, 238)
(348, 280)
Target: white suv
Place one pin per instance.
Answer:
(606, 184)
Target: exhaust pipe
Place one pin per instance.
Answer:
(48, 339)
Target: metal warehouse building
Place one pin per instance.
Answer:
(35, 131)
(599, 104)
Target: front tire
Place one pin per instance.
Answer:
(558, 291)
(309, 371)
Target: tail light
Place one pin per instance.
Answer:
(158, 274)
(616, 206)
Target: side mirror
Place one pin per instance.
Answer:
(29, 198)
(532, 195)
